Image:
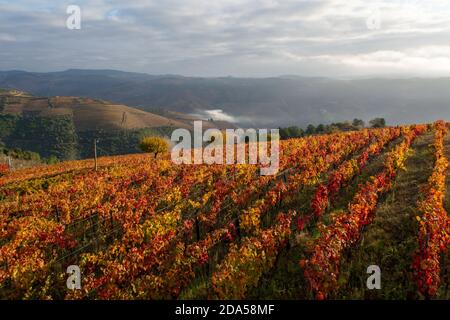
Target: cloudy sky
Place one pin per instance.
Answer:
(255, 38)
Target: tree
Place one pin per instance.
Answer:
(320, 128)
(358, 123)
(310, 129)
(378, 123)
(296, 132)
(291, 132)
(345, 126)
(332, 128)
(155, 145)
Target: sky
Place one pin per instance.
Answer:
(242, 38)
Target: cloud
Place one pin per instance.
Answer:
(215, 114)
(233, 37)
(7, 37)
(220, 115)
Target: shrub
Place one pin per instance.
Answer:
(155, 145)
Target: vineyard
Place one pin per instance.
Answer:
(144, 228)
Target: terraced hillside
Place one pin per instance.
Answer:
(140, 228)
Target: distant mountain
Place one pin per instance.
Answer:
(277, 101)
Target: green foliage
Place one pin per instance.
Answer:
(8, 124)
(116, 142)
(51, 160)
(320, 128)
(55, 139)
(17, 153)
(3, 102)
(296, 132)
(291, 132)
(378, 123)
(47, 136)
(310, 129)
(358, 123)
(108, 143)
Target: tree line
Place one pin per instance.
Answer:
(356, 124)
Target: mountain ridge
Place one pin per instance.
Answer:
(251, 102)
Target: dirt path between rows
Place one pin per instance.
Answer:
(390, 240)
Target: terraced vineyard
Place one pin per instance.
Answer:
(140, 228)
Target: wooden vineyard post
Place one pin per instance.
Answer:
(279, 199)
(95, 155)
(238, 227)
(197, 228)
(10, 167)
(94, 229)
(284, 177)
(57, 214)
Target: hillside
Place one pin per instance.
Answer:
(88, 114)
(140, 228)
(265, 102)
(66, 126)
